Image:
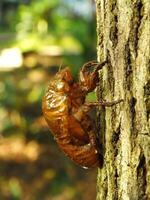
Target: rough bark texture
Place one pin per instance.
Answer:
(123, 38)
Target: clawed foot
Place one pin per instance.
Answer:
(89, 79)
(97, 65)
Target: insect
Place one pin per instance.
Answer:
(66, 112)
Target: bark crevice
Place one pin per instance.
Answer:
(141, 178)
(136, 22)
(114, 24)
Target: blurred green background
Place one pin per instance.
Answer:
(36, 37)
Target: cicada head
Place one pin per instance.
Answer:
(65, 75)
(62, 81)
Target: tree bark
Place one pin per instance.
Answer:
(123, 32)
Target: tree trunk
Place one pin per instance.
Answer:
(123, 31)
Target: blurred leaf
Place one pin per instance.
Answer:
(15, 188)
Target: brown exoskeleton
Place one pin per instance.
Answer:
(66, 113)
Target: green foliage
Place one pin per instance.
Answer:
(54, 23)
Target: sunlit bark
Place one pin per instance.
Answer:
(123, 31)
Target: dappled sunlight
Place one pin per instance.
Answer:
(10, 58)
(18, 150)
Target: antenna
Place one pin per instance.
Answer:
(60, 66)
